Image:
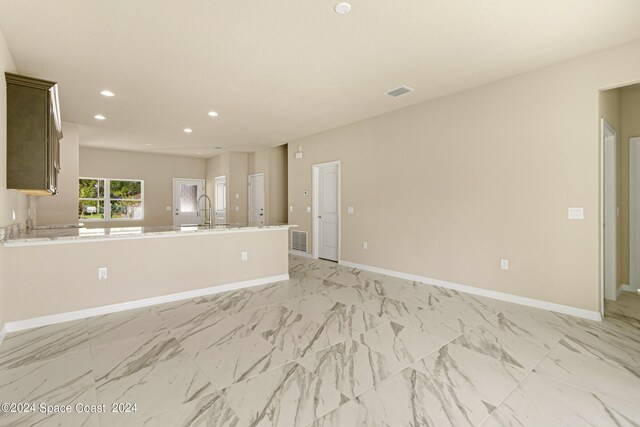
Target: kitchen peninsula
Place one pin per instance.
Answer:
(59, 274)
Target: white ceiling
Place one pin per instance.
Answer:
(282, 69)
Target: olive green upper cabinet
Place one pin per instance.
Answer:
(34, 131)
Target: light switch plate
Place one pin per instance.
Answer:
(504, 264)
(350, 209)
(576, 213)
(308, 209)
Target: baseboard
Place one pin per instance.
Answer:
(3, 332)
(559, 308)
(35, 322)
(626, 288)
(300, 253)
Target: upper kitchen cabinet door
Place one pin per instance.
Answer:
(34, 129)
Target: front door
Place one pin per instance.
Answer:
(186, 193)
(256, 199)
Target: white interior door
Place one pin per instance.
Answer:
(186, 193)
(256, 198)
(610, 214)
(220, 197)
(634, 212)
(328, 211)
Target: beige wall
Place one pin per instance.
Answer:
(63, 207)
(137, 269)
(278, 173)
(630, 127)
(447, 188)
(14, 206)
(237, 187)
(157, 171)
(272, 162)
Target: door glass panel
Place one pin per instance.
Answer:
(188, 198)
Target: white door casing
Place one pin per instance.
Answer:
(610, 214)
(326, 211)
(256, 199)
(220, 199)
(186, 193)
(634, 213)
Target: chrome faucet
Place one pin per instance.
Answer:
(205, 209)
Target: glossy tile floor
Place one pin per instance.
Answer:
(333, 346)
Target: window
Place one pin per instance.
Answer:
(110, 199)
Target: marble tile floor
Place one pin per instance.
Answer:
(332, 346)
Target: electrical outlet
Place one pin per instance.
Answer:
(365, 246)
(237, 208)
(504, 264)
(576, 213)
(244, 256)
(102, 273)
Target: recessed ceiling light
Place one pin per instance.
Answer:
(342, 8)
(213, 114)
(107, 93)
(148, 145)
(99, 117)
(187, 130)
(217, 147)
(198, 153)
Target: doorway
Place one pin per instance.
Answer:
(610, 211)
(326, 210)
(220, 197)
(256, 199)
(634, 213)
(186, 201)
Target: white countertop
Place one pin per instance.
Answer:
(55, 235)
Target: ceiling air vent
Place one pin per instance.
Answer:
(399, 91)
(299, 241)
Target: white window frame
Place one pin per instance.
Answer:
(107, 199)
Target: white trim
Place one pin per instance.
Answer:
(565, 309)
(3, 333)
(106, 200)
(114, 308)
(315, 186)
(151, 235)
(605, 128)
(634, 280)
(300, 253)
(627, 288)
(619, 290)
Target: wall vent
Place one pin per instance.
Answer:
(299, 241)
(399, 91)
